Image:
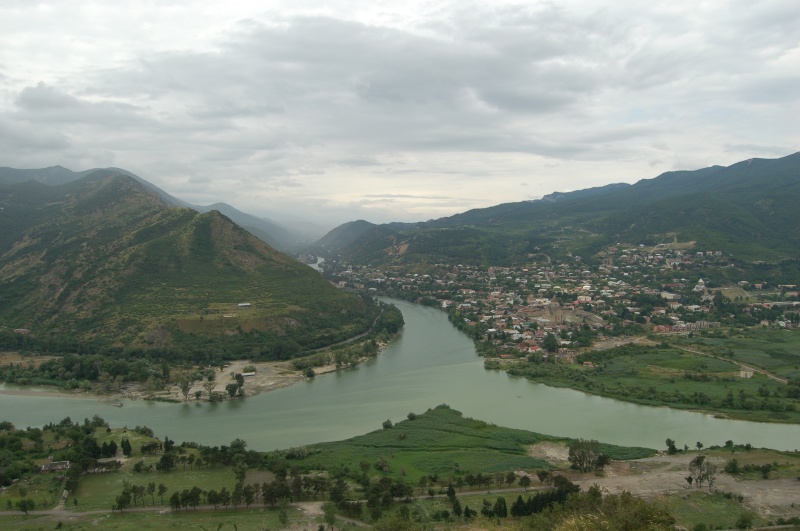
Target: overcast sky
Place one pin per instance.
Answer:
(332, 111)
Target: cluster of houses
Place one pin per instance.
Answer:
(517, 307)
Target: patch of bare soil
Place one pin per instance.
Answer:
(619, 341)
(556, 453)
(662, 475)
(8, 358)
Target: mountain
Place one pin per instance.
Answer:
(104, 260)
(267, 230)
(748, 209)
(345, 234)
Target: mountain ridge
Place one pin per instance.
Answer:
(269, 231)
(746, 207)
(104, 260)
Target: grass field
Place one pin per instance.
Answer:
(438, 442)
(698, 507)
(666, 376)
(443, 442)
(189, 520)
(99, 491)
(775, 350)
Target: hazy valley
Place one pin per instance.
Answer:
(677, 291)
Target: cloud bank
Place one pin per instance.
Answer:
(395, 112)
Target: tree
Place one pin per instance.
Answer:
(225, 497)
(232, 389)
(710, 473)
(167, 462)
(697, 470)
(518, 507)
(550, 343)
(124, 499)
(585, 455)
(186, 386)
(745, 520)
(194, 496)
(732, 467)
(175, 501)
(387, 424)
(671, 448)
(423, 483)
(212, 497)
(283, 512)
(329, 513)
(127, 450)
(543, 475)
(162, 489)
(337, 492)
(500, 510)
(151, 490)
(511, 477)
(26, 505)
(237, 495)
(525, 482)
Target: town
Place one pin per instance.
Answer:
(555, 308)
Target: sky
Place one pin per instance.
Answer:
(331, 111)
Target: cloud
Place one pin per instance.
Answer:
(313, 104)
(22, 136)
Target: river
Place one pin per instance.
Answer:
(430, 363)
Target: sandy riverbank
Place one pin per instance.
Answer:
(269, 377)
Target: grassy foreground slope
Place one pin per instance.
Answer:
(443, 442)
(381, 494)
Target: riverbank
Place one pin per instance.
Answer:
(267, 376)
(650, 374)
(430, 362)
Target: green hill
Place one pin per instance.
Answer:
(106, 262)
(748, 209)
(270, 232)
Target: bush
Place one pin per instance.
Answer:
(387, 424)
(745, 520)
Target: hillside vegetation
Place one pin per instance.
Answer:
(747, 210)
(104, 262)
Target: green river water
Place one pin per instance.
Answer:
(430, 363)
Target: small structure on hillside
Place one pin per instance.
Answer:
(55, 466)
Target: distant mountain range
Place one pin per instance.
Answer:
(749, 209)
(105, 259)
(273, 233)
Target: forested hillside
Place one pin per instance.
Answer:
(103, 262)
(747, 210)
